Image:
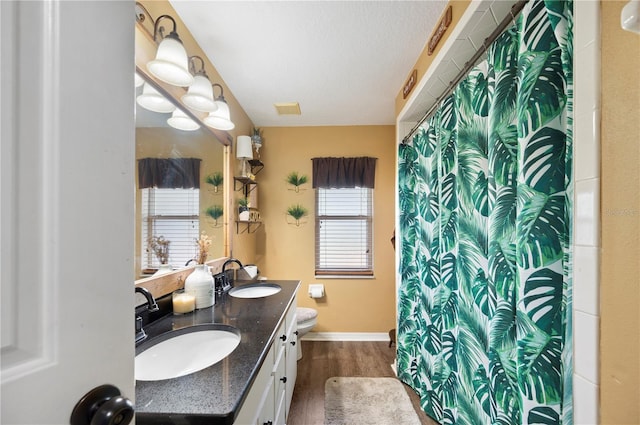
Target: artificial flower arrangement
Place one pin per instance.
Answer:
(204, 242)
(160, 247)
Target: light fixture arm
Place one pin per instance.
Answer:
(221, 97)
(159, 31)
(192, 66)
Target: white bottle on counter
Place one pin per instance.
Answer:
(200, 284)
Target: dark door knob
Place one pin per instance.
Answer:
(103, 405)
(283, 337)
(284, 379)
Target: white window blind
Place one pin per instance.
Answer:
(174, 214)
(344, 231)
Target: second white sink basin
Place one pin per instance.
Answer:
(258, 290)
(185, 351)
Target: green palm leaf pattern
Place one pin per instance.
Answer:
(484, 191)
(541, 77)
(540, 226)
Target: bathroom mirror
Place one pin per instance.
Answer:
(176, 212)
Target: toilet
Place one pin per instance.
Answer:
(306, 319)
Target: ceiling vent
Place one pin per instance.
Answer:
(291, 108)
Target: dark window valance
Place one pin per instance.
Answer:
(336, 173)
(169, 173)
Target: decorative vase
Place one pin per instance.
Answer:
(163, 269)
(200, 284)
(243, 214)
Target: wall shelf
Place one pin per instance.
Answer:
(256, 166)
(247, 226)
(245, 184)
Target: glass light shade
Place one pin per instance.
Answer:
(171, 64)
(138, 80)
(153, 101)
(243, 148)
(220, 119)
(200, 95)
(181, 121)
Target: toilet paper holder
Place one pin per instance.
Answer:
(316, 290)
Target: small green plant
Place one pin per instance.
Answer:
(256, 133)
(296, 180)
(215, 180)
(243, 203)
(297, 211)
(215, 212)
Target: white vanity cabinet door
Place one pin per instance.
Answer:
(280, 383)
(269, 398)
(266, 414)
(291, 360)
(258, 407)
(281, 412)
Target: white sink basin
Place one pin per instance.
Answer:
(258, 290)
(185, 351)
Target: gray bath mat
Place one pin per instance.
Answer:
(383, 401)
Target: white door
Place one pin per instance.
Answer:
(67, 219)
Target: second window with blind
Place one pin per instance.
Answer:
(344, 216)
(343, 231)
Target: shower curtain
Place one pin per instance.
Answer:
(485, 190)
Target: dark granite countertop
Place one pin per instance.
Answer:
(215, 394)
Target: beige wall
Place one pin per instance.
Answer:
(458, 7)
(620, 266)
(285, 251)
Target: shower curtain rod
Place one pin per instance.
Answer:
(515, 10)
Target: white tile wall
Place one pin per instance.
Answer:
(586, 259)
(587, 211)
(587, 158)
(586, 338)
(586, 269)
(585, 401)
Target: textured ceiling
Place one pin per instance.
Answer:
(343, 61)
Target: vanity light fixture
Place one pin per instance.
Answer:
(221, 118)
(180, 121)
(153, 101)
(200, 94)
(171, 62)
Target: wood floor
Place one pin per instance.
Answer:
(323, 359)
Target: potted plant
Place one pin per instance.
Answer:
(297, 211)
(296, 180)
(215, 212)
(243, 209)
(257, 139)
(215, 180)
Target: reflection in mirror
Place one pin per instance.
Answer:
(179, 188)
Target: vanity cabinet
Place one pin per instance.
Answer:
(269, 398)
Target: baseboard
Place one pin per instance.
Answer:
(346, 336)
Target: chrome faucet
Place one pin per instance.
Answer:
(151, 306)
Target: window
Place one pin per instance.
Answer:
(172, 213)
(343, 231)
